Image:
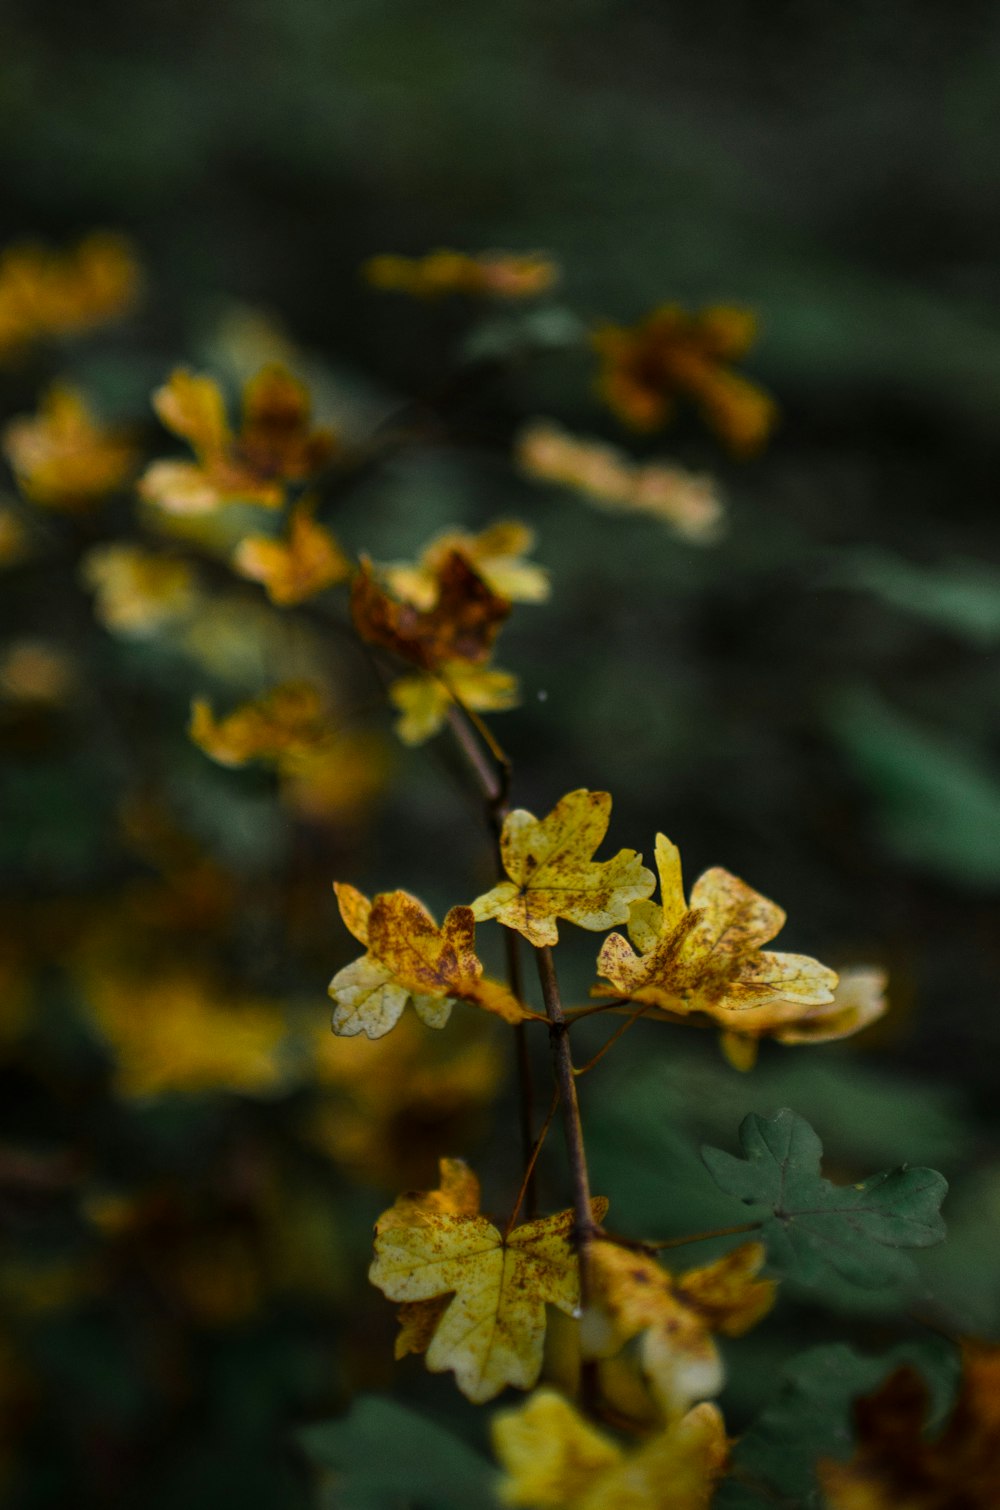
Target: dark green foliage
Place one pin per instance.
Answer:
(383, 1455)
(812, 1227)
(810, 1418)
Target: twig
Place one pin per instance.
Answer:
(532, 1161)
(494, 783)
(562, 1059)
(619, 1031)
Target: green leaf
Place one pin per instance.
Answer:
(810, 1418)
(812, 1226)
(384, 1455)
(938, 800)
(961, 596)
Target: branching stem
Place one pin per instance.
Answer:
(493, 777)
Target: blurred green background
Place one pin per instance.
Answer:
(812, 703)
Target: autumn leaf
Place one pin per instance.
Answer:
(275, 445)
(411, 959)
(138, 592)
(174, 1030)
(497, 275)
(295, 569)
(896, 1466)
(707, 956)
(434, 1244)
(605, 477)
(807, 1420)
(553, 876)
(858, 1000)
(46, 293)
(496, 554)
(388, 1105)
(631, 1294)
(63, 458)
(461, 626)
(645, 368)
(553, 1459)
(283, 725)
(423, 701)
(812, 1227)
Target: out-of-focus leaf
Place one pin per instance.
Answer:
(938, 803)
(810, 1417)
(961, 596)
(383, 1455)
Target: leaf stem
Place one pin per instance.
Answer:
(703, 1237)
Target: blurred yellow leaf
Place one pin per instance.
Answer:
(671, 353)
(460, 626)
(423, 701)
(62, 457)
(174, 1030)
(498, 275)
(283, 725)
(297, 568)
(45, 294)
(274, 447)
(707, 957)
(632, 1294)
(687, 501)
(496, 554)
(555, 1460)
(138, 592)
(858, 1000)
(490, 1334)
(392, 1104)
(552, 875)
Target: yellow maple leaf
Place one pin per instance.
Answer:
(899, 1463)
(410, 959)
(689, 502)
(283, 725)
(336, 782)
(631, 1294)
(434, 1244)
(499, 275)
(553, 1459)
(62, 457)
(138, 592)
(423, 701)
(46, 293)
(297, 568)
(496, 554)
(389, 1105)
(275, 445)
(552, 875)
(176, 1031)
(645, 367)
(858, 1000)
(707, 957)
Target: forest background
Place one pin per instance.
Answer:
(811, 701)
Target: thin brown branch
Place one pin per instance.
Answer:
(622, 1028)
(562, 1059)
(493, 778)
(532, 1161)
